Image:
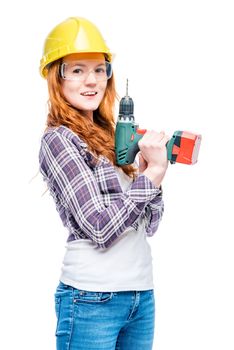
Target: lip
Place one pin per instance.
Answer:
(94, 93)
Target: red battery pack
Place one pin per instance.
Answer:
(184, 147)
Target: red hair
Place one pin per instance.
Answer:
(99, 134)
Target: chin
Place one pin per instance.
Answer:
(90, 108)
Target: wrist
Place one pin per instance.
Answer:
(155, 174)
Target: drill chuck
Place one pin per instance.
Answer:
(126, 108)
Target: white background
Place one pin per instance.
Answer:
(179, 58)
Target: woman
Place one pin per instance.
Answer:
(105, 297)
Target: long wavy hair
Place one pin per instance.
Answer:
(99, 134)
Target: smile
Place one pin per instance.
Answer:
(89, 93)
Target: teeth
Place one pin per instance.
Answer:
(89, 93)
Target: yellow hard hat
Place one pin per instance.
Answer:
(74, 35)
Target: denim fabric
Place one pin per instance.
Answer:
(104, 320)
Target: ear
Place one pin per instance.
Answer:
(108, 69)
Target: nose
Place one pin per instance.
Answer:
(91, 78)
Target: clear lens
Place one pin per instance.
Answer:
(80, 72)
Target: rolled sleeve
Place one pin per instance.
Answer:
(74, 182)
(155, 207)
(153, 215)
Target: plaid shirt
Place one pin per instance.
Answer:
(88, 194)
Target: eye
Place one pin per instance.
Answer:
(77, 71)
(100, 70)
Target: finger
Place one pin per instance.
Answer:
(154, 136)
(162, 135)
(141, 158)
(157, 136)
(164, 140)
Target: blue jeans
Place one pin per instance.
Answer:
(104, 320)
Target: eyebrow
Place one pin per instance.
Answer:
(84, 65)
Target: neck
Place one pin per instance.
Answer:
(89, 115)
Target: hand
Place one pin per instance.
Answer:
(142, 163)
(153, 148)
(154, 152)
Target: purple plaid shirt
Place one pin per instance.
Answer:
(88, 194)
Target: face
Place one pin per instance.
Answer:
(85, 94)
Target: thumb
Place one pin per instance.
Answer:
(141, 158)
(142, 162)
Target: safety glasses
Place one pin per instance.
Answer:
(79, 71)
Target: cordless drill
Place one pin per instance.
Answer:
(183, 147)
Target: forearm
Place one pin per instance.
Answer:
(155, 175)
(104, 225)
(153, 215)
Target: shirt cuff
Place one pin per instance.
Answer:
(143, 190)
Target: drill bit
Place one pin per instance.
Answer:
(127, 88)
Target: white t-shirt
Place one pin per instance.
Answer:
(124, 266)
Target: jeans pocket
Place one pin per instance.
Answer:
(64, 313)
(57, 306)
(93, 297)
(57, 302)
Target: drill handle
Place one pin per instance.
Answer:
(183, 147)
(126, 142)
